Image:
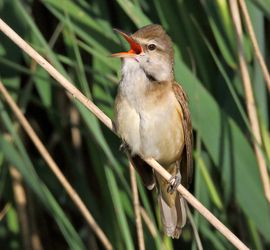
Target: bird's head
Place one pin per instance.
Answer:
(150, 49)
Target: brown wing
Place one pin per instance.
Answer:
(186, 162)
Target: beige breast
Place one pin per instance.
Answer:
(155, 130)
(127, 122)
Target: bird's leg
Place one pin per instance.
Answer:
(174, 182)
(124, 147)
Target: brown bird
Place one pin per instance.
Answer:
(153, 119)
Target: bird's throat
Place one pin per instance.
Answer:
(134, 82)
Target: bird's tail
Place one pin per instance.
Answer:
(172, 206)
(173, 217)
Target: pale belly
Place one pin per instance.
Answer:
(156, 133)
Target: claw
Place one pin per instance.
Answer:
(174, 182)
(124, 147)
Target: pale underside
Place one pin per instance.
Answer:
(148, 118)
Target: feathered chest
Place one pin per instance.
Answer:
(148, 117)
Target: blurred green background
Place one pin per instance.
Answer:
(77, 36)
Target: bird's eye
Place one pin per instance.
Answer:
(152, 46)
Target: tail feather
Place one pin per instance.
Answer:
(172, 205)
(181, 208)
(168, 217)
(173, 218)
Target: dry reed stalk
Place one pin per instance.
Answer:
(148, 222)
(55, 169)
(35, 236)
(254, 43)
(250, 102)
(136, 206)
(4, 211)
(21, 204)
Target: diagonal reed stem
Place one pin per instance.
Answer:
(55, 169)
(106, 120)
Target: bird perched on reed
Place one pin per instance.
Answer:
(152, 117)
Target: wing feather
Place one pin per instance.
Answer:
(186, 162)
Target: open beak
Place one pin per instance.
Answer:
(135, 48)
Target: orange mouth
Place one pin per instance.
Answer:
(135, 48)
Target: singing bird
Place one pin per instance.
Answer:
(153, 119)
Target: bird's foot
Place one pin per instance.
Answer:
(174, 182)
(124, 147)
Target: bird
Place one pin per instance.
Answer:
(152, 117)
